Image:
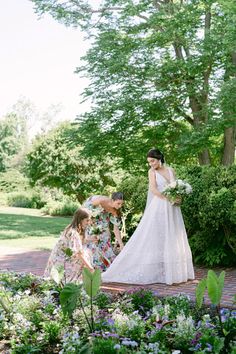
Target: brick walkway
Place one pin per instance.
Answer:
(21, 260)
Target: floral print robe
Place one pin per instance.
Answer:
(69, 239)
(98, 237)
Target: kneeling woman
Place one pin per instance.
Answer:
(72, 238)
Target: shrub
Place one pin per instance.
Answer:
(12, 181)
(56, 208)
(135, 195)
(209, 214)
(25, 200)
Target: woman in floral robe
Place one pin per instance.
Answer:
(69, 252)
(98, 238)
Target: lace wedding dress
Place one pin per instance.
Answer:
(158, 251)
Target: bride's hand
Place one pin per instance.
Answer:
(178, 201)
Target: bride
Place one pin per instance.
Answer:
(158, 251)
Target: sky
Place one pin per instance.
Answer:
(38, 60)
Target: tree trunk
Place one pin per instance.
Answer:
(204, 157)
(228, 156)
(199, 121)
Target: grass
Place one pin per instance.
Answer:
(29, 228)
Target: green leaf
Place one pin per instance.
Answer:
(91, 281)
(68, 298)
(221, 281)
(57, 273)
(200, 290)
(5, 304)
(86, 349)
(225, 332)
(213, 287)
(68, 251)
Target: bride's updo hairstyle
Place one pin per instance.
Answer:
(156, 154)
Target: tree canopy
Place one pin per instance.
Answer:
(54, 162)
(162, 73)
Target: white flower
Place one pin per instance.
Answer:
(167, 309)
(180, 182)
(120, 318)
(184, 324)
(172, 184)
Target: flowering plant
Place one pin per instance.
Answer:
(33, 320)
(176, 189)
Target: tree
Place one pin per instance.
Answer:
(55, 161)
(11, 139)
(228, 93)
(156, 70)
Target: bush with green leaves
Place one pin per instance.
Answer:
(57, 161)
(135, 195)
(63, 208)
(13, 180)
(25, 199)
(209, 212)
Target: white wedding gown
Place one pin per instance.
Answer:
(158, 251)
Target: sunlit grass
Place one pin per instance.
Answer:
(28, 228)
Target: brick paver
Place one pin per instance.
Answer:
(21, 260)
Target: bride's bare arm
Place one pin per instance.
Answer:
(153, 184)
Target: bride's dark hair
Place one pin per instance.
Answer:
(156, 154)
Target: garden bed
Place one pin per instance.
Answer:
(138, 321)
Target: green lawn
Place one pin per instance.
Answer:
(28, 228)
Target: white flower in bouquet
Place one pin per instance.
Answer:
(96, 211)
(176, 189)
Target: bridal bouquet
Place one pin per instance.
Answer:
(177, 189)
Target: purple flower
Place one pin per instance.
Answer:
(199, 324)
(209, 325)
(196, 338)
(233, 313)
(158, 325)
(198, 346)
(209, 347)
(130, 343)
(224, 311)
(110, 335)
(117, 346)
(110, 321)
